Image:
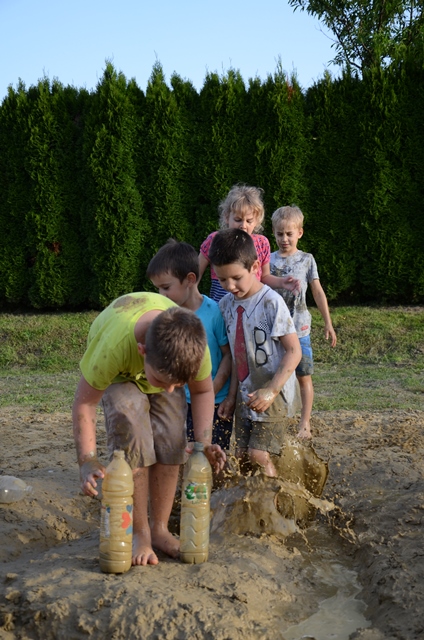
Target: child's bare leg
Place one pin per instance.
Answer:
(263, 459)
(143, 553)
(163, 484)
(307, 396)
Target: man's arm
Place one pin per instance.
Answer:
(84, 425)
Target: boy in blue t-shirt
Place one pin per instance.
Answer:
(174, 271)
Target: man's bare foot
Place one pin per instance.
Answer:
(143, 553)
(304, 432)
(164, 541)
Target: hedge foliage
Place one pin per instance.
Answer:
(93, 183)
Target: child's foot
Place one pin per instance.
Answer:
(143, 553)
(164, 541)
(304, 432)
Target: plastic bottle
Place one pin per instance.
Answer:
(195, 507)
(12, 489)
(116, 516)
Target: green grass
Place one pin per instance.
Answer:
(50, 342)
(378, 362)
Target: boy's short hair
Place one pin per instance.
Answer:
(175, 344)
(232, 245)
(239, 198)
(291, 214)
(176, 258)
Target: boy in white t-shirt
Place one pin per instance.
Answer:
(264, 347)
(287, 224)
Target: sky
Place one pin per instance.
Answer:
(71, 41)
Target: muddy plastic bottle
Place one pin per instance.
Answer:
(116, 516)
(195, 507)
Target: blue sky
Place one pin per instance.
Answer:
(71, 41)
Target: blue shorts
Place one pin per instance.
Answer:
(306, 364)
(221, 430)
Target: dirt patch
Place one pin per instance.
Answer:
(256, 584)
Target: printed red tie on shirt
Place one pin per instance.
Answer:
(240, 353)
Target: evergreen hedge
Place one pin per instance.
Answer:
(93, 183)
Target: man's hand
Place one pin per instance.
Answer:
(90, 470)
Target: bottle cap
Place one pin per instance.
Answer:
(198, 446)
(118, 454)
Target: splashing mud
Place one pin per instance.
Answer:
(345, 514)
(280, 506)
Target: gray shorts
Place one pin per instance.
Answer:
(264, 436)
(150, 427)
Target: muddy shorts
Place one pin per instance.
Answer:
(264, 436)
(150, 427)
(306, 364)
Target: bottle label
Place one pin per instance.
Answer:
(121, 519)
(196, 492)
(105, 522)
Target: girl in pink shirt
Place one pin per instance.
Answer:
(243, 209)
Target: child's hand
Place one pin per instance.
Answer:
(226, 409)
(330, 333)
(261, 399)
(292, 284)
(91, 470)
(216, 456)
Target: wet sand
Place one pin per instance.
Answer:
(263, 575)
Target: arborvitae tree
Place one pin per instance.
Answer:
(387, 260)
(226, 141)
(16, 258)
(71, 112)
(161, 165)
(57, 276)
(409, 74)
(335, 201)
(191, 155)
(278, 107)
(114, 220)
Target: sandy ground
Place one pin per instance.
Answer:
(263, 577)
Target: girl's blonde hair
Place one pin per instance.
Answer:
(291, 214)
(240, 198)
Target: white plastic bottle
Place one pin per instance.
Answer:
(195, 507)
(116, 531)
(13, 489)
